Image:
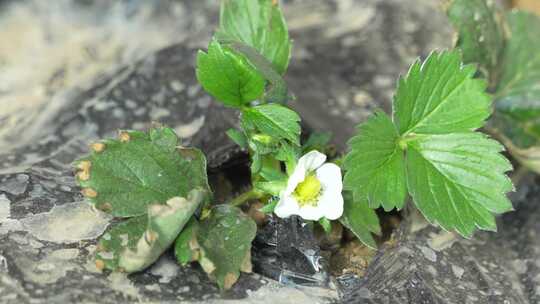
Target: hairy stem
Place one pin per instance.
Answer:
(246, 196)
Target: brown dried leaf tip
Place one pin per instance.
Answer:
(100, 265)
(151, 236)
(229, 280)
(89, 192)
(98, 147)
(124, 136)
(84, 167)
(83, 175)
(105, 207)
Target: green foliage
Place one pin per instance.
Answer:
(519, 91)
(277, 92)
(317, 141)
(517, 103)
(225, 240)
(520, 81)
(326, 225)
(454, 175)
(481, 35)
(272, 187)
(376, 165)
(465, 180)
(360, 219)
(440, 96)
(186, 247)
(124, 176)
(138, 242)
(274, 120)
(228, 76)
(274, 134)
(512, 64)
(238, 137)
(117, 239)
(260, 25)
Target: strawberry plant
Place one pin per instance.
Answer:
(431, 151)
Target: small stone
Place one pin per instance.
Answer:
(362, 98)
(428, 253)
(458, 271)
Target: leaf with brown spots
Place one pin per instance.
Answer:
(225, 239)
(124, 176)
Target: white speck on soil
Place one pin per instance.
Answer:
(65, 254)
(190, 129)
(121, 283)
(428, 253)
(458, 271)
(165, 268)
(442, 240)
(5, 208)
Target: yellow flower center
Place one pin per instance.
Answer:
(308, 191)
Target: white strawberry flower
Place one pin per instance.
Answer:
(313, 190)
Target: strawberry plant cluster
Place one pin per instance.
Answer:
(432, 151)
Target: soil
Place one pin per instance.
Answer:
(353, 257)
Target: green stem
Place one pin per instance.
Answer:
(405, 139)
(246, 196)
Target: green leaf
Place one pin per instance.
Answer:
(272, 174)
(521, 138)
(457, 180)
(480, 33)
(238, 137)
(326, 225)
(360, 219)
(118, 238)
(124, 176)
(259, 24)
(455, 176)
(520, 82)
(225, 239)
(273, 187)
(521, 134)
(274, 120)
(517, 118)
(186, 246)
(138, 242)
(376, 166)
(440, 96)
(288, 154)
(228, 76)
(256, 163)
(164, 138)
(277, 92)
(317, 141)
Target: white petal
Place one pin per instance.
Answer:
(330, 177)
(296, 178)
(312, 160)
(311, 213)
(331, 204)
(287, 206)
